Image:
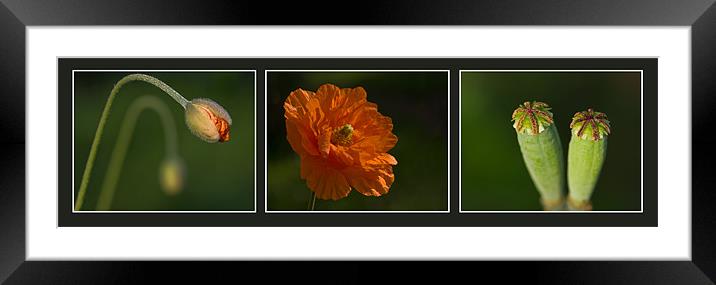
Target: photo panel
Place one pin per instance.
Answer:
(552, 141)
(163, 141)
(357, 141)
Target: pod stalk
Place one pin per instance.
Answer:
(587, 152)
(541, 151)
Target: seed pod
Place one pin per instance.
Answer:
(541, 151)
(587, 151)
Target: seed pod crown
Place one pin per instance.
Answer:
(591, 125)
(532, 117)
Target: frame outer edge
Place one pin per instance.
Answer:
(12, 141)
(12, 201)
(703, 61)
(397, 12)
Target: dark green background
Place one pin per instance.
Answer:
(494, 176)
(220, 176)
(417, 103)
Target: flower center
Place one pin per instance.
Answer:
(342, 136)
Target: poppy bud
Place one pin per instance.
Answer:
(207, 120)
(171, 176)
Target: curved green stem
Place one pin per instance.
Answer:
(103, 121)
(312, 204)
(126, 132)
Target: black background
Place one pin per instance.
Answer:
(16, 14)
(647, 218)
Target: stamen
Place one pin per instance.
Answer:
(343, 136)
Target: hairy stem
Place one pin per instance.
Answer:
(126, 132)
(103, 121)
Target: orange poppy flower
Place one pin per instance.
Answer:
(342, 140)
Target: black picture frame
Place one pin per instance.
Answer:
(15, 15)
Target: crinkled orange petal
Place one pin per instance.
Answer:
(326, 182)
(329, 95)
(340, 102)
(324, 143)
(346, 156)
(386, 158)
(303, 113)
(374, 129)
(300, 143)
(375, 138)
(370, 181)
(375, 177)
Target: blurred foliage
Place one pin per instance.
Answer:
(417, 103)
(494, 176)
(219, 176)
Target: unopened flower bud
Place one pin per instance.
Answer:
(171, 176)
(208, 120)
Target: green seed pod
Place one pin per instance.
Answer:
(587, 151)
(541, 151)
